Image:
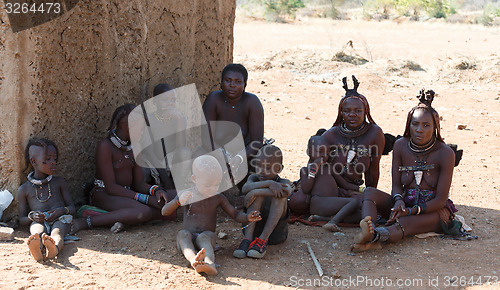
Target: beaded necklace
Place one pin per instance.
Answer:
(119, 143)
(36, 182)
(421, 148)
(348, 133)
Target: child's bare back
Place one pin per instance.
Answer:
(324, 183)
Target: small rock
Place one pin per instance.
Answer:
(262, 82)
(335, 245)
(278, 99)
(222, 235)
(335, 274)
(461, 126)
(288, 112)
(6, 234)
(339, 234)
(474, 142)
(307, 118)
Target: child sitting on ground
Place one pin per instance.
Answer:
(200, 214)
(44, 201)
(318, 179)
(266, 192)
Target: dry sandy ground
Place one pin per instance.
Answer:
(292, 72)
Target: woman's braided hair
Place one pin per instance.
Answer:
(425, 98)
(353, 93)
(118, 114)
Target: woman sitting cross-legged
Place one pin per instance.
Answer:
(120, 187)
(422, 170)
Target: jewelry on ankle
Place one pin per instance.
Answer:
(383, 234)
(89, 222)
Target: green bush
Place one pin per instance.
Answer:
(280, 8)
(490, 11)
(438, 8)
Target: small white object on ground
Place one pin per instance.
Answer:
(6, 234)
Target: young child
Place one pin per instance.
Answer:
(266, 192)
(44, 201)
(200, 216)
(318, 180)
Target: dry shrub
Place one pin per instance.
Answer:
(406, 65)
(351, 57)
(464, 65)
(412, 66)
(354, 59)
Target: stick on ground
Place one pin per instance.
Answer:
(316, 263)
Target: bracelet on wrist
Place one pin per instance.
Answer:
(142, 198)
(423, 208)
(30, 214)
(153, 189)
(312, 171)
(409, 211)
(397, 196)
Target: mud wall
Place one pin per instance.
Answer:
(63, 79)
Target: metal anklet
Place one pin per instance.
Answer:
(401, 227)
(89, 222)
(383, 234)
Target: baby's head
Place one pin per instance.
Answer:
(41, 155)
(268, 162)
(207, 175)
(317, 147)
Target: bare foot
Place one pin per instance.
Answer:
(34, 246)
(356, 248)
(200, 266)
(316, 218)
(50, 245)
(332, 227)
(117, 227)
(78, 224)
(367, 231)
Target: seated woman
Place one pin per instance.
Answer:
(422, 170)
(233, 104)
(119, 187)
(356, 146)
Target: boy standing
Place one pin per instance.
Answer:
(200, 214)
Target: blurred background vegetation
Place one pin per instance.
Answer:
(485, 12)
